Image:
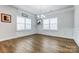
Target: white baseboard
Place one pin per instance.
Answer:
(9, 37)
(56, 36)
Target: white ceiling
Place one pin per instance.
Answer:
(39, 9)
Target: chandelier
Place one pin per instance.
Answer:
(39, 18)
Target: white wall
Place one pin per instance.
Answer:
(76, 23)
(8, 30)
(65, 23)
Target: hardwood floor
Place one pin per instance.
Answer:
(39, 44)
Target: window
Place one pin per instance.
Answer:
(45, 23)
(23, 23)
(27, 23)
(20, 23)
(50, 24)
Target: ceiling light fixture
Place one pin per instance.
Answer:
(40, 18)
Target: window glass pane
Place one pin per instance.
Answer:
(45, 21)
(28, 23)
(53, 20)
(28, 26)
(20, 26)
(53, 26)
(53, 23)
(28, 20)
(20, 19)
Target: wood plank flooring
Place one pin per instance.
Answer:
(39, 44)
